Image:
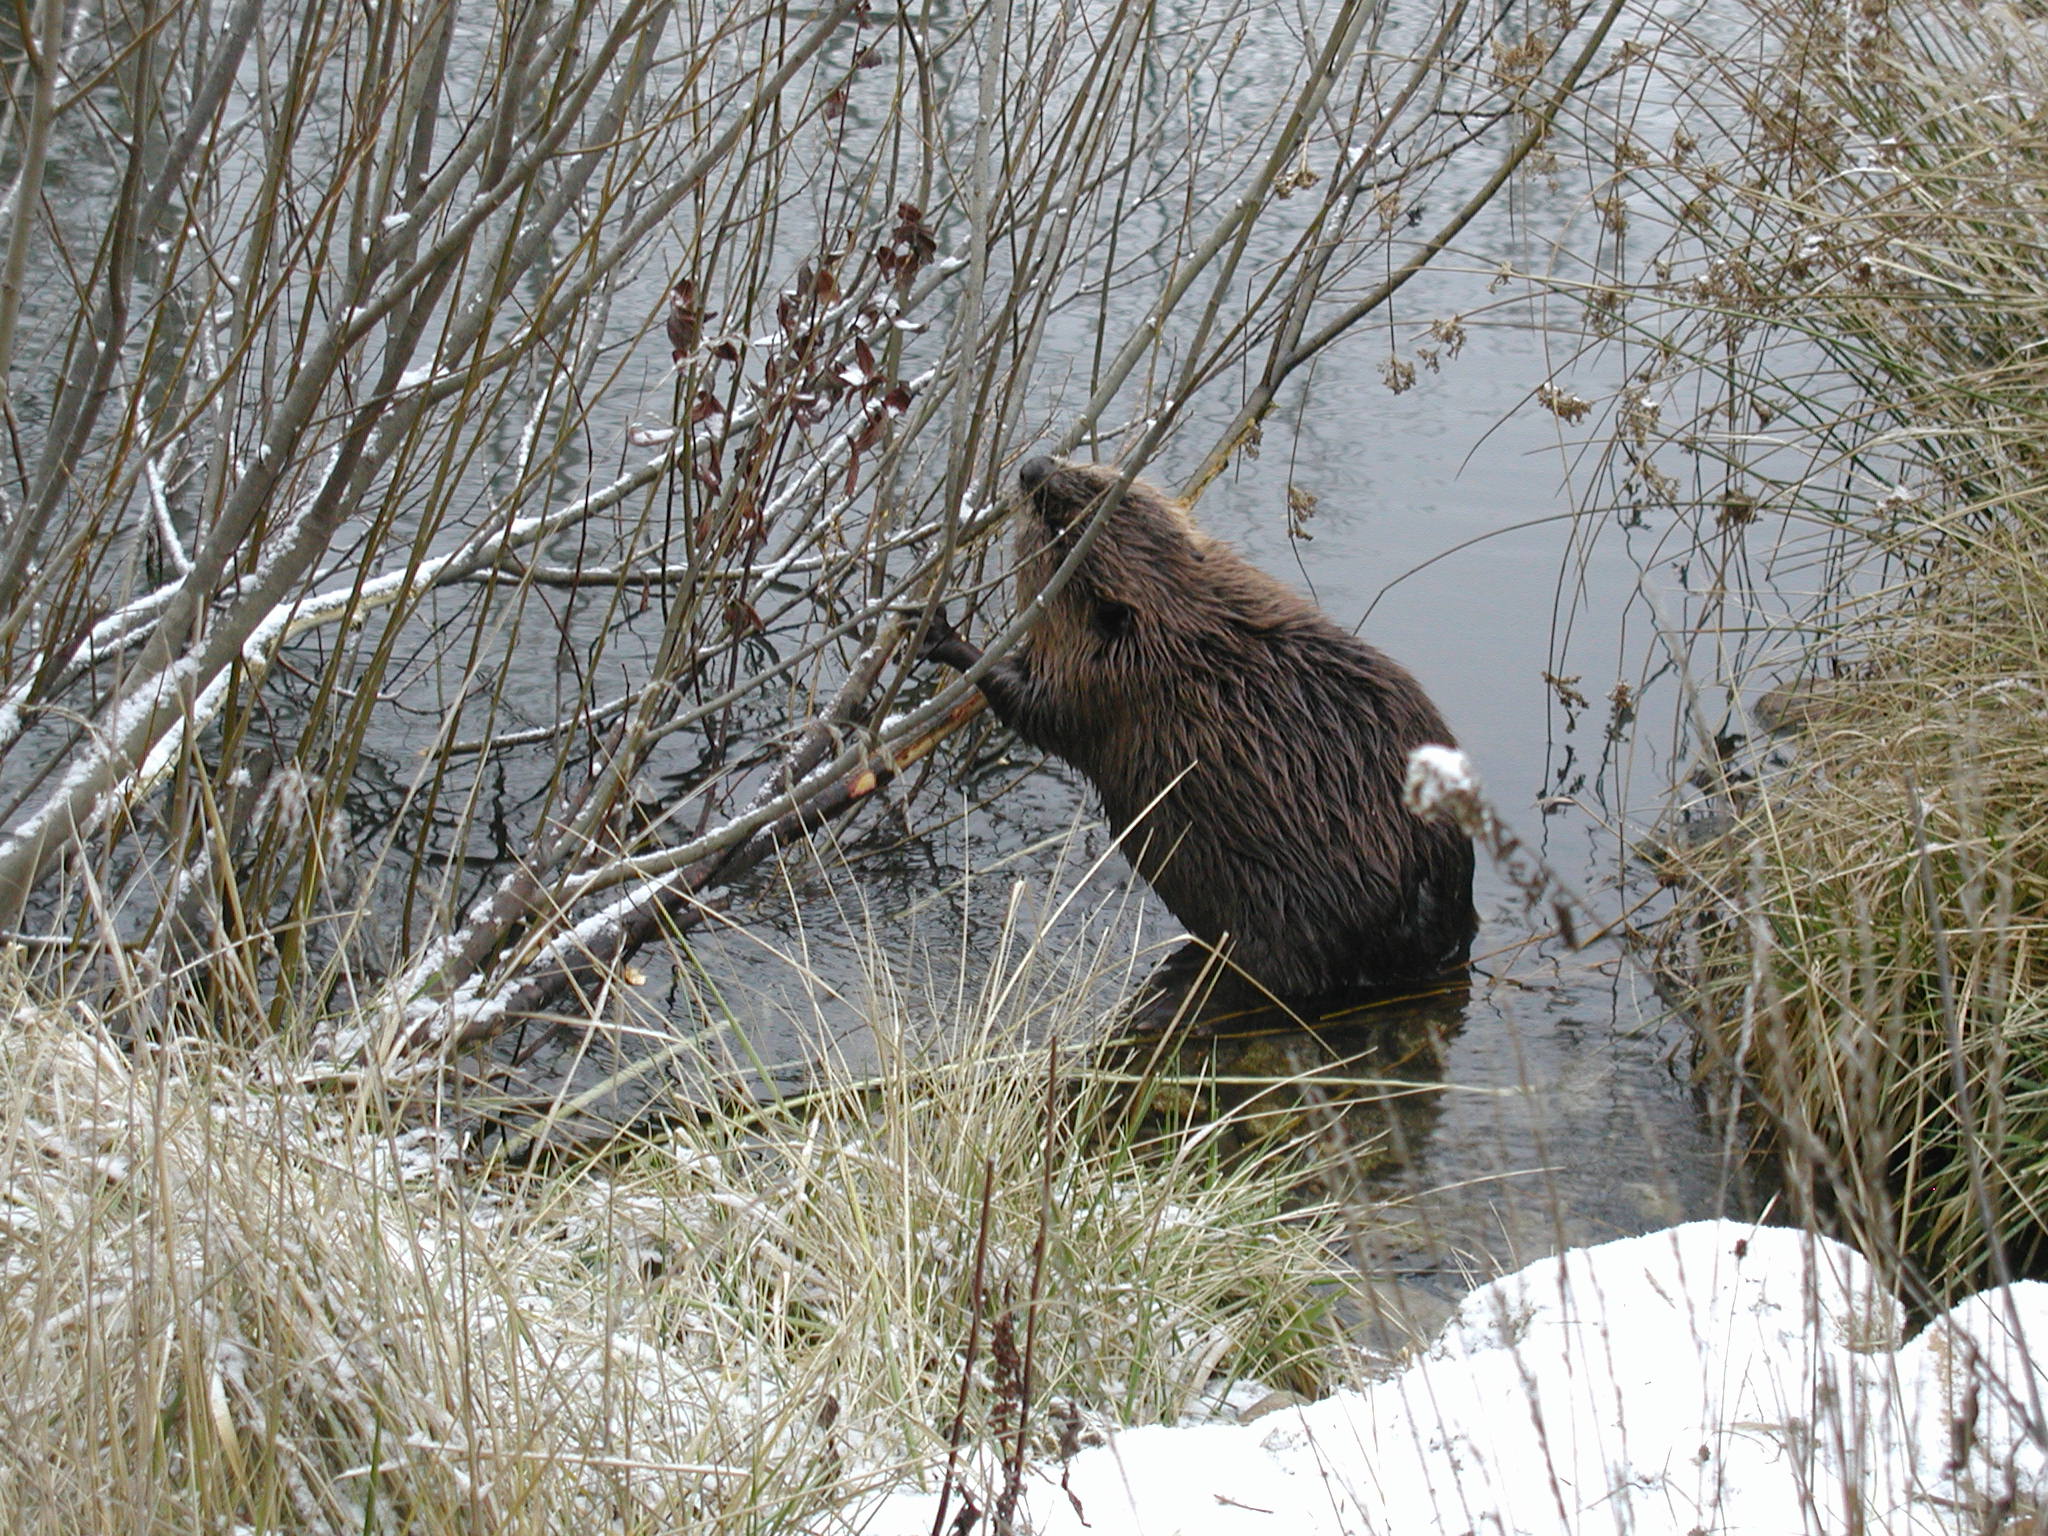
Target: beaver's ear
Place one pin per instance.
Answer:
(1113, 620)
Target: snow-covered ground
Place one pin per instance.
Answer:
(1716, 1377)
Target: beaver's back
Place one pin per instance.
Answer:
(1259, 776)
(1248, 751)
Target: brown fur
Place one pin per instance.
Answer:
(1248, 751)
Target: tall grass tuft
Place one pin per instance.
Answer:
(1865, 943)
(1843, 391)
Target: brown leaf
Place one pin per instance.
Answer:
(685, 319)
(912, 243)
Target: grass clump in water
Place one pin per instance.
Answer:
(1866, 944)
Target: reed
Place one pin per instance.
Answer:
(1839, 391)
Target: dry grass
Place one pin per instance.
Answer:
(231, 1304)
(1864, 943)
(1901, 1058)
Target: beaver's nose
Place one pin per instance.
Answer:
(1032, 475)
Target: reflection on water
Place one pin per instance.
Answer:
(1361, 1083)
(1364, 1077)
(1523, 1107)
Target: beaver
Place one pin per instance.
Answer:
(1248, 752)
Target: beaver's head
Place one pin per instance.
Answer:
(1146, 546)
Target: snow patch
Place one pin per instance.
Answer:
(1437, 774)
(1714, 1377)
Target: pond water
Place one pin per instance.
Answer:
(1557, 1105)
(1549, 1104)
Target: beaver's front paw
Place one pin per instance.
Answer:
(943, 643)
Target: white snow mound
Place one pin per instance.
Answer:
(1716, 1377)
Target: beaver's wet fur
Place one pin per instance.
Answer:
(1249, 752)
